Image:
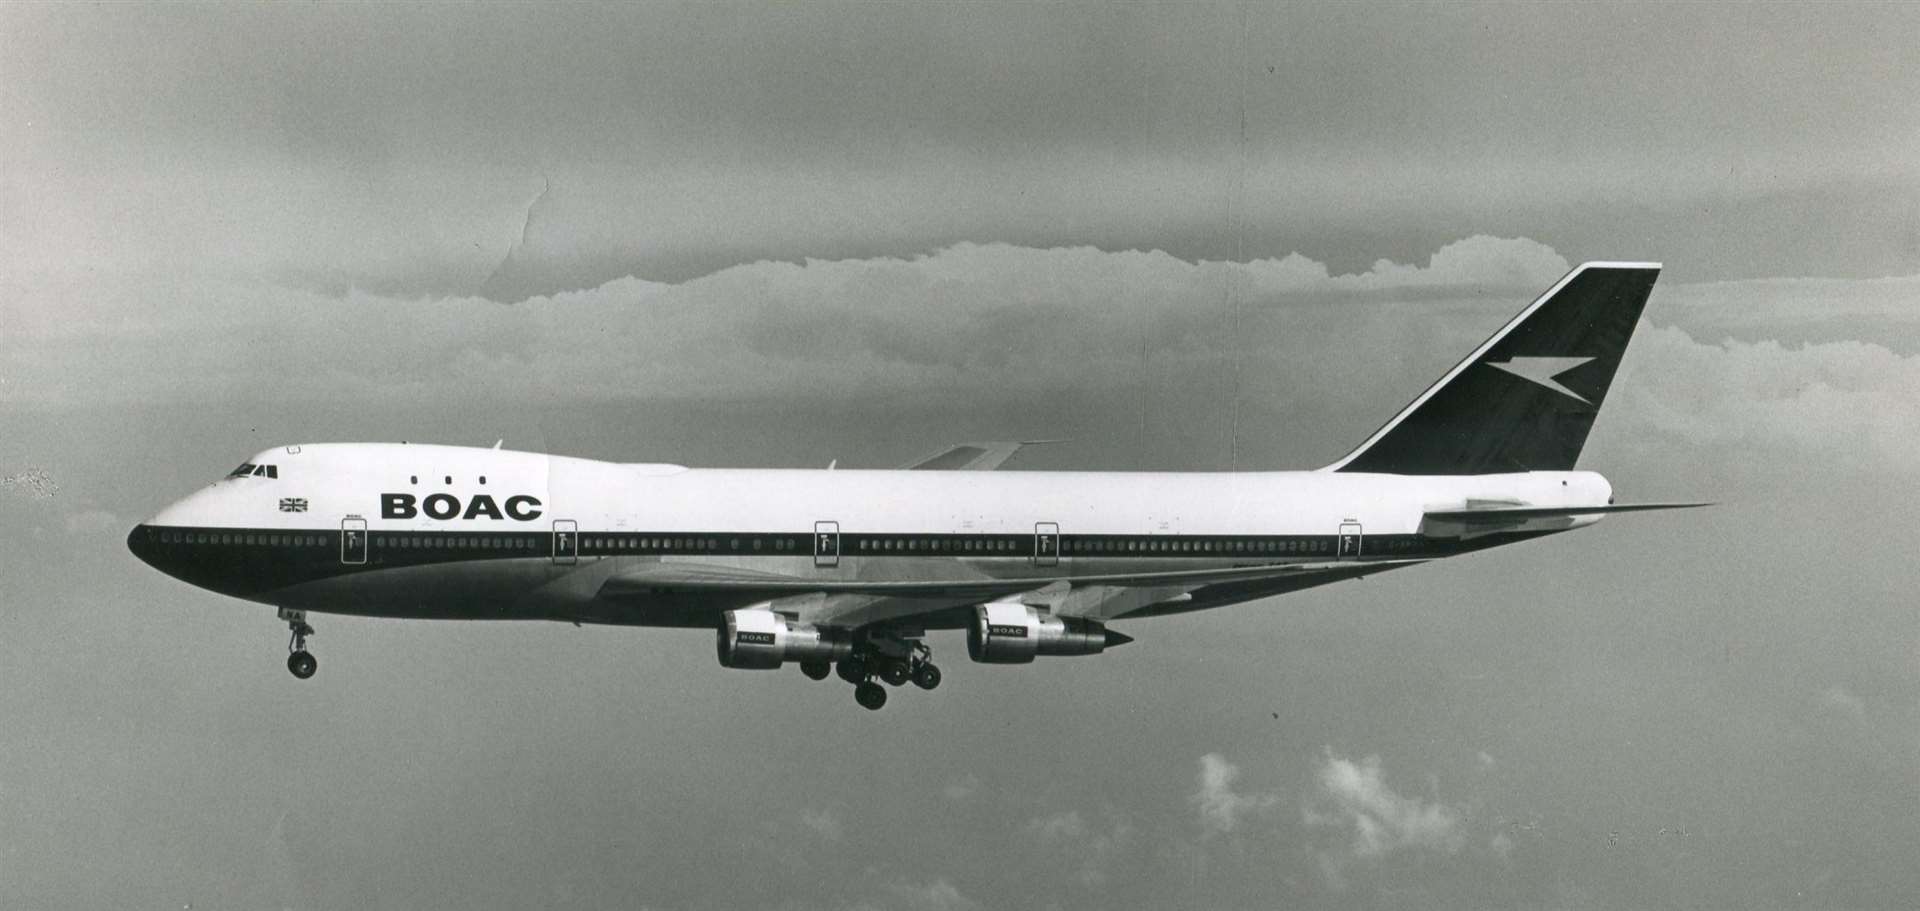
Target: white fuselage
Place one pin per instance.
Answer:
(461, 533)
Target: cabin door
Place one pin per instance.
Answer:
(353, 540)
(566, 542)
(1349, 543)
(826, 544)
(1046, 544)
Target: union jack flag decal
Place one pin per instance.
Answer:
(293, 504)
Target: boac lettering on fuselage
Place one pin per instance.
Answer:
(520, 507)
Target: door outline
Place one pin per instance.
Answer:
(1046, 544)
(353, 541)
(566, 542)
(1348, 545)
(826, 543)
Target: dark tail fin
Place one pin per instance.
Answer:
(1525, 399)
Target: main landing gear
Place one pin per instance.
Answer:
(893, 660)
(300, 662)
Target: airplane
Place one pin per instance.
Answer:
(846, 571)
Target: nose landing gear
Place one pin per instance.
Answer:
(300, 662)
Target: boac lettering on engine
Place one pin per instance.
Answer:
(520, 507)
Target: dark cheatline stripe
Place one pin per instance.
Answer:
(249, 560)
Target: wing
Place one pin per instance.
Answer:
(858, 602)
(983, 455)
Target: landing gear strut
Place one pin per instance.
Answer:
(300, 662)
(894, 660)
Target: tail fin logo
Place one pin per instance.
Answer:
(1542, 371)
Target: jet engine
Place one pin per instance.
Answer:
(759, 639)
(1012, 633)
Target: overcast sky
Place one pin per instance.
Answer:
(1185, 236)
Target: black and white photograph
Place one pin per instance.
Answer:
(952, 456)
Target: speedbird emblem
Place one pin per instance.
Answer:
(1542, 370)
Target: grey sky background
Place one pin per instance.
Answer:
(1186, 236)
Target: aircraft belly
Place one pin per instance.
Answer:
(474, 590)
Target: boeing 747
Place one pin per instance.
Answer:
(845, 572)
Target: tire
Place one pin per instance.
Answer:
(816, 670)
(852, 670)
(302, 664)
(895, 672)
(926, 676)
(870, 695)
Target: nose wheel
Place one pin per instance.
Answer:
(300, 662)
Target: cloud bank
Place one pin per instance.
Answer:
(977, 322)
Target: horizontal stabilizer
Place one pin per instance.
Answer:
(1510, 514)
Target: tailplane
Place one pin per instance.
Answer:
(1526, 398)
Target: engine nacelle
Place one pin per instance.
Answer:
(1012, 633)
(759, 639)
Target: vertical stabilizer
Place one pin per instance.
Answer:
(1527, 397)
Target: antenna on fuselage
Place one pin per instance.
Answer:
(496, 443)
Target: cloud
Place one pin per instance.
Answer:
(1477, 260)
(1354, 798)
(1090, 849)
(939, 894)
(966, 318)
(980, 322)
(1797, 309)
(1502, 846)
(824, 823)
(32, 483)
(1840, 700)
(1854, 403)
(962, 788)
(1221, 808)
(97, 522)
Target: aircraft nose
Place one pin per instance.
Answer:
(140, 542)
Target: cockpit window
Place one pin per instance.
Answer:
(248, 469)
